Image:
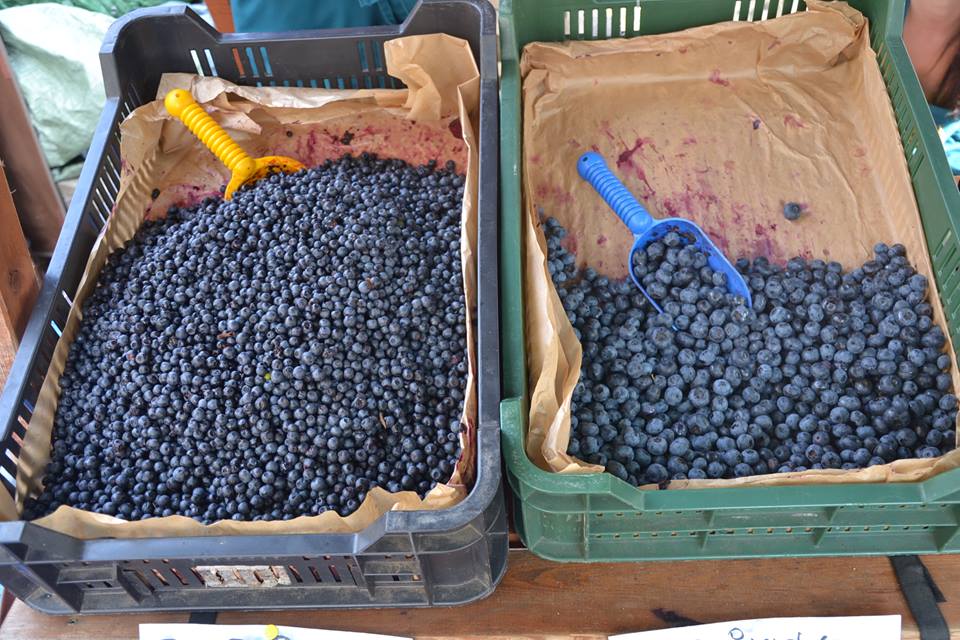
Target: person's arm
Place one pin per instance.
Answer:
(930, 33)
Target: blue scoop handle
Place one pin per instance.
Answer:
(592, 168)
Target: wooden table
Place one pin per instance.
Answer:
(540, 599)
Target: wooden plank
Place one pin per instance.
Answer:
(18, 278)
(8, 343)
(38, 202)
(222, 15)
(541, 599)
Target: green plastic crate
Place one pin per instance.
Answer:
(598, 517)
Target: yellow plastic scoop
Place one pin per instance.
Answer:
(245, 170)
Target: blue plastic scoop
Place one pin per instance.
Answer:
(645, 229)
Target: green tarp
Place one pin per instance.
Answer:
(53, 50)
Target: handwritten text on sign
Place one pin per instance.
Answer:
(849, 628)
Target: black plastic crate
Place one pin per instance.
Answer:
(405, 558)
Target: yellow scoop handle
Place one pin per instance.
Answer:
(244, 169)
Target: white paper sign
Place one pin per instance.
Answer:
(849, 628)
(249, 632)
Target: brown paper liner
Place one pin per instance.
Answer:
(434, 119)
(723, 124)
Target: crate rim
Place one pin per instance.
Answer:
(126, 21)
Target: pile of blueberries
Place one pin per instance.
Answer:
(827, 370)
(275, 355)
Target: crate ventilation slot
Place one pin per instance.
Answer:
(265, 57)
(237, 61)
(254, 70)
(8, 478)
(200, 58)
(196, 62)
(765, 8)
(252, 576)
(613, 23)
(593, 24)
(362, 52)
